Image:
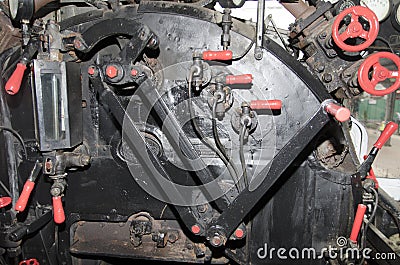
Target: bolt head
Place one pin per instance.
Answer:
(216, 241)
(134, 72)
(196, 229)
(111, 71)
(239, 233)
(91, 70)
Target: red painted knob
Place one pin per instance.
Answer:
(239, 79)
(14, 83)
(58, 210)
(266, 104)
(196, 229)
(358, 220)
(239, 233)
(368, 82)
(389, 130)
(112, 71)
(29, 262)
(217, 55)
(24, 197)
(355, 28)
(5, 201)
(340, 113)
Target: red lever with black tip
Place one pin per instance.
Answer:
(28, 187)
(14, 82)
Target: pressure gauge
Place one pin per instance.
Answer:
(21, 9)
(381, 8)
(344, 4)
(395, 17)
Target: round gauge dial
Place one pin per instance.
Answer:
(395, 17)
(381, 8)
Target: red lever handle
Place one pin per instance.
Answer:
(14, 83)
(389, 130)
(217, 55)
(340, 113)
(266, 104)
(239, 79)
(58, 210)
(29, 262)
(24, 197)
(5, 201)
(358, 220)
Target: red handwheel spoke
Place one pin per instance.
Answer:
(354, 17)
(374, 81)
(344, 36)
(364, 34)
(393, 74)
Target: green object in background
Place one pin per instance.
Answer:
(373, 109)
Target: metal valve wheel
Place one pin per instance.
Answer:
(355, 28)
(379, 73)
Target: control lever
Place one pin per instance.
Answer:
(365, 167)
(225, 55)
(14, 82)
(238, 79)
(340, 113)
(266, 104)
(58, 210)
(28, 187)
(358, 220)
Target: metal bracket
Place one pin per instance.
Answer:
(230, 219)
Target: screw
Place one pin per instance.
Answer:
(202, 208)
(322, 35)
(327, 78)
(319, 67)
(216, 241)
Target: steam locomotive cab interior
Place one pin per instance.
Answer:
(169, 132)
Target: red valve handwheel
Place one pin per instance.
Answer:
(355, 29)
(379, 73)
